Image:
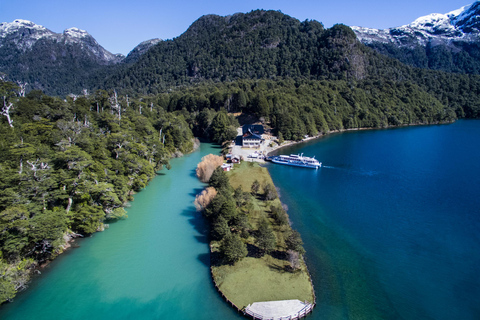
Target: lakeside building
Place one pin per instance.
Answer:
(231, 158)
(252, 135)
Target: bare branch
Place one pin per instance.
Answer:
(22, 86)
(6, 111)
(115, 105)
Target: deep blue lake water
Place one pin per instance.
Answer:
(391, 223)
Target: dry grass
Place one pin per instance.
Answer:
(206, 167)
(203, 199)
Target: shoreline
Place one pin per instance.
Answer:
(69, 237)
(241, 285)
(287, 143)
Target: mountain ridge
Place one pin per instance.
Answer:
(258, 44)
(25, 34)
(140, 49)
(448, 42)
(462, 24)
(253, 45)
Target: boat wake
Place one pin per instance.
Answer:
(360, 172)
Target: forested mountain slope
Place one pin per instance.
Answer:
(259, 44)
(271, 45)
(57, 63)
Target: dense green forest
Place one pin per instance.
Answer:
(298, 108)
(68, 166)
(271, 45)
(259, 44)
(459, 57)
(53, 67)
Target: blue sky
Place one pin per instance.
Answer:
(122, 24)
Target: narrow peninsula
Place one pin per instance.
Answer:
(256, 257)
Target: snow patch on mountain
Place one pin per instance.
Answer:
(462, 13)
(25, 34)
(76, 33)
(9, 28)
(458, 25)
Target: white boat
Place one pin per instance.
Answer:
(297, 161)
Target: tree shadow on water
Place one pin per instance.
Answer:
(196, 192)
(193, 173)
(204, 258)
(199, 224)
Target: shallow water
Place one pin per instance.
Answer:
(391, 222)
(152, 265)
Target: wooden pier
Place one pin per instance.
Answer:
(279, 310)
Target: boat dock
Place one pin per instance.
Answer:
(279, 310)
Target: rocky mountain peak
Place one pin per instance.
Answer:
(11, 27)
(462, 24)
(140, 49)
(76, 33)
(24, 35)
(467, 18)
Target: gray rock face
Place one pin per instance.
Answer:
(24, 35)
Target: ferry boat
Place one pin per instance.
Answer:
(297, 161)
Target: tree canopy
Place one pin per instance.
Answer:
(74, 164)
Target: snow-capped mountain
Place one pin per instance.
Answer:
(459, 25)
(56, 63)
(24, 35)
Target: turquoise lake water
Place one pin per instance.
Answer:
(152, 265)
(390, 224)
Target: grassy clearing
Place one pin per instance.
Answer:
(260, 279)
(245, 173)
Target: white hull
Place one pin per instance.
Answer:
(297, 161)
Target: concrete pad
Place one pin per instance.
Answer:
(276, 309)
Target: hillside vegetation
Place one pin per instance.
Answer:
(270, 45)
(71, 165)
(298, 108)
